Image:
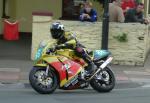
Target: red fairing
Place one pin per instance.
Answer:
(61, 68)
(80, 61)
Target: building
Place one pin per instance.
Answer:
(22, 10)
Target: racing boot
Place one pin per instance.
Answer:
(91, 68)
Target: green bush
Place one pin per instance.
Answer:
(121, 37)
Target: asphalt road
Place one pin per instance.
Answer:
(132, 95)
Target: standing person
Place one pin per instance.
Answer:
(116, 12)
(88, 13)
(127, 4)
(136, 15)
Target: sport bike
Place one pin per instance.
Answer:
(62, 69)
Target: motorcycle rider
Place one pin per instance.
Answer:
(67, 40)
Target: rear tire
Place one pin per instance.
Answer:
(102, 86)
(42, 84)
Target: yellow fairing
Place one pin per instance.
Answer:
(46, 58)
(65, 52)
(51, 59)
(41, 65)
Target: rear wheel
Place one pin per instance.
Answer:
(41, 83)
(103, 81)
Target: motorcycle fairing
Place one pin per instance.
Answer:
(71, 55)
(66, 68)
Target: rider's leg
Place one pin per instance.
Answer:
(82, 53)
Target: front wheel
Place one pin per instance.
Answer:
(40, 82)
(103, 81)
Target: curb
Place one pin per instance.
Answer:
(119, 85)
(10, 75)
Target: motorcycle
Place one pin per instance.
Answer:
(64, 70)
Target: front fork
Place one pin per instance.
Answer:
(47, 69)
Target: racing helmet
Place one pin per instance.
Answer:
(57, 30)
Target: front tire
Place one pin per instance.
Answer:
(40, 82)
(103, 81)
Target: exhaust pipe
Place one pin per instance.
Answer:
(106, 62)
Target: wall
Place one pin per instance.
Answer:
(42, 23)
(132, 52)
(22, 10)
(0, 17)
(11, 9)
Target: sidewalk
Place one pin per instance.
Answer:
(132, 74)
(126, 76)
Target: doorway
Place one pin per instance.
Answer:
(71, 9)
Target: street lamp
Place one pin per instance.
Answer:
(105, 26)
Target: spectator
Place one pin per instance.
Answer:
(128, 4)
(116, 12)
(87, 13)
(136, 15)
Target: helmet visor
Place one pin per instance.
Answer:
(56, 33)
